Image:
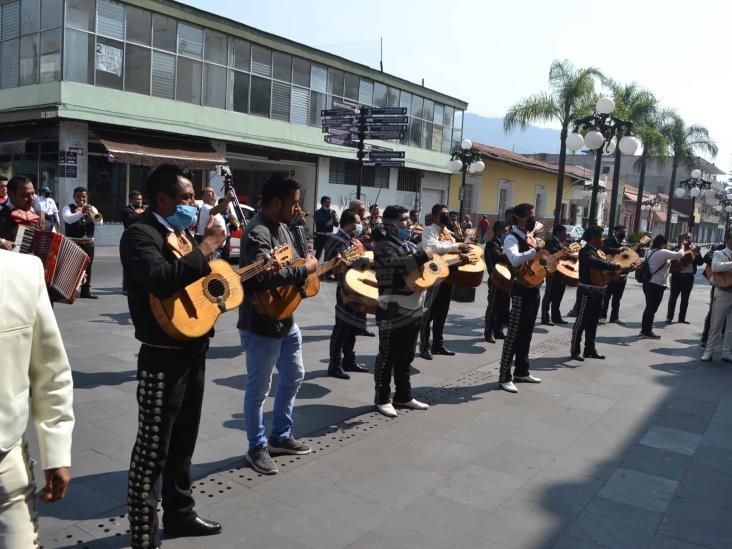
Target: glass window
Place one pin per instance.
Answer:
(449, 114)
(426, 135)
(456, 138)
(30, 18)
(366, 92)
(405, 100)
(439, 114)
(415, 132)
(261, 61)
(111, 19)
(261, 96)
(379, 95)
(10, 20)
(351, 87)
(446, 140)
(436, 144)
(164, 33)
(214, 87)
(80, 14)
(417, 106)
(335, 82)
(282, 66)
(137, 69)
(190, 40)
(139, 25)
(51, 55)
(318, 79)
(216, 47)
(79, 56)
(392, 97)
(317, 103)
(190, 78)
(29, 58)
(51, 14)
(458, 120)
(301, 72)
(428, 110)
(240, 95)
(300, 105)
(281, 101)
(109, 63)
(163, 75)
(242, 55)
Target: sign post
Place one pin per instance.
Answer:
(346, 122)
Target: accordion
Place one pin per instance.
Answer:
(64, 262)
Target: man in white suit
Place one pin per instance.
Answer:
(32, 361)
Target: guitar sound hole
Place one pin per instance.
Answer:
(216, 288)
(433, 267)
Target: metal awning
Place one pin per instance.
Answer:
(146, 151)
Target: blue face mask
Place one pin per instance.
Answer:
(502, 237)
(357, 230)
(182, 218)
(403, 233)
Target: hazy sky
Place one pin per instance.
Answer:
(492, 53)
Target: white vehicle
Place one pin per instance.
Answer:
(574, 232)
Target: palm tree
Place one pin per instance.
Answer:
(567, 99)
(684, 142)
(631, 103)
(655, 148)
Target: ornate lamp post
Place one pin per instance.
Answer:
(651, 205)
(696, 187)
(465, 159)
(603, 133)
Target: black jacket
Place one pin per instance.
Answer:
(494, 253)
(392, 259)
(261, 236)
(589, 261)
(152, 268)
(129, 216)
(553, 245)
(8, 227)
(612, 245)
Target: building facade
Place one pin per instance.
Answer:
(95, 93)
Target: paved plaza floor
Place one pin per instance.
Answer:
(630, 452)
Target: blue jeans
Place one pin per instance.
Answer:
(263, 354)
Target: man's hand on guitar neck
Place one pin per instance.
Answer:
(311, 263)
(213, 237)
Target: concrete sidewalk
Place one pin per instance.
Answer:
(633, 451)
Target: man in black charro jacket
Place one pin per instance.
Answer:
(554, 289)
(496, 312)
(616, 288)
(160, 258)
(682, 282)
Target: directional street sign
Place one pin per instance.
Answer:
(334, 140)
(385, 155)
(390, 128)
(385, 119)
(346, 106)
(338, 112)
(384, 163)
(376, 111)
(341, 129)
(383, 135)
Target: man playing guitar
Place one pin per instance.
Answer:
(615, 288)
(554, 291)
(519, 248)
(497, 311)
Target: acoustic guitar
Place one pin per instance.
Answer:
(427, 276)
(361, 290)
(627, 256)
(568, 271)
(280, 303)
(193, 311)
(470, 274)
(678, 265)
(501, 277)
(532, 273)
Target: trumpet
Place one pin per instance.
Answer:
(302, 213)
(95, 217)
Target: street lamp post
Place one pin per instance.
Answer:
(603, 133)
(696, 187)
(465, 159)
(651, 205)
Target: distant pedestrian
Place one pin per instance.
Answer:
(483, 225)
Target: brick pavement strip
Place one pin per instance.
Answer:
(618, 453)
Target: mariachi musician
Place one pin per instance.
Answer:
(438, 239)
(496, 313)
(17, 210)
(682, 280)
(520, 248)
(554, 287)
(131, 214)
(615, 288)
(80, 219)
(591, 294)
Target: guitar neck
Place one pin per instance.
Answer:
(250, 271)
(325, 267)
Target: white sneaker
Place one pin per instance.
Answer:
(509, 386)
(386, 409)
(413, 404)
(706, 356)
(527, 379)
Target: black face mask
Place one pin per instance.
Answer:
(530, 224)
(446, 221)
(621, 236)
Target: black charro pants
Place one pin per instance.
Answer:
(654, 296)
(348, 322)
(438, 303)
(88, 248)
(497, 310)
(524, 308)
(320, 241)
(614, 294)
(588, 315)
(681, 285)
(169, 396)
(398, 331)
(553, 294)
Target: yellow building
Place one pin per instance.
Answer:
(510, 178)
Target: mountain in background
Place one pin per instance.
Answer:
(489, 131)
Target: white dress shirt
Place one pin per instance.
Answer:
(511, 249)
(659, 263)
(431, 241)
(70, 217)
(33, 360)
